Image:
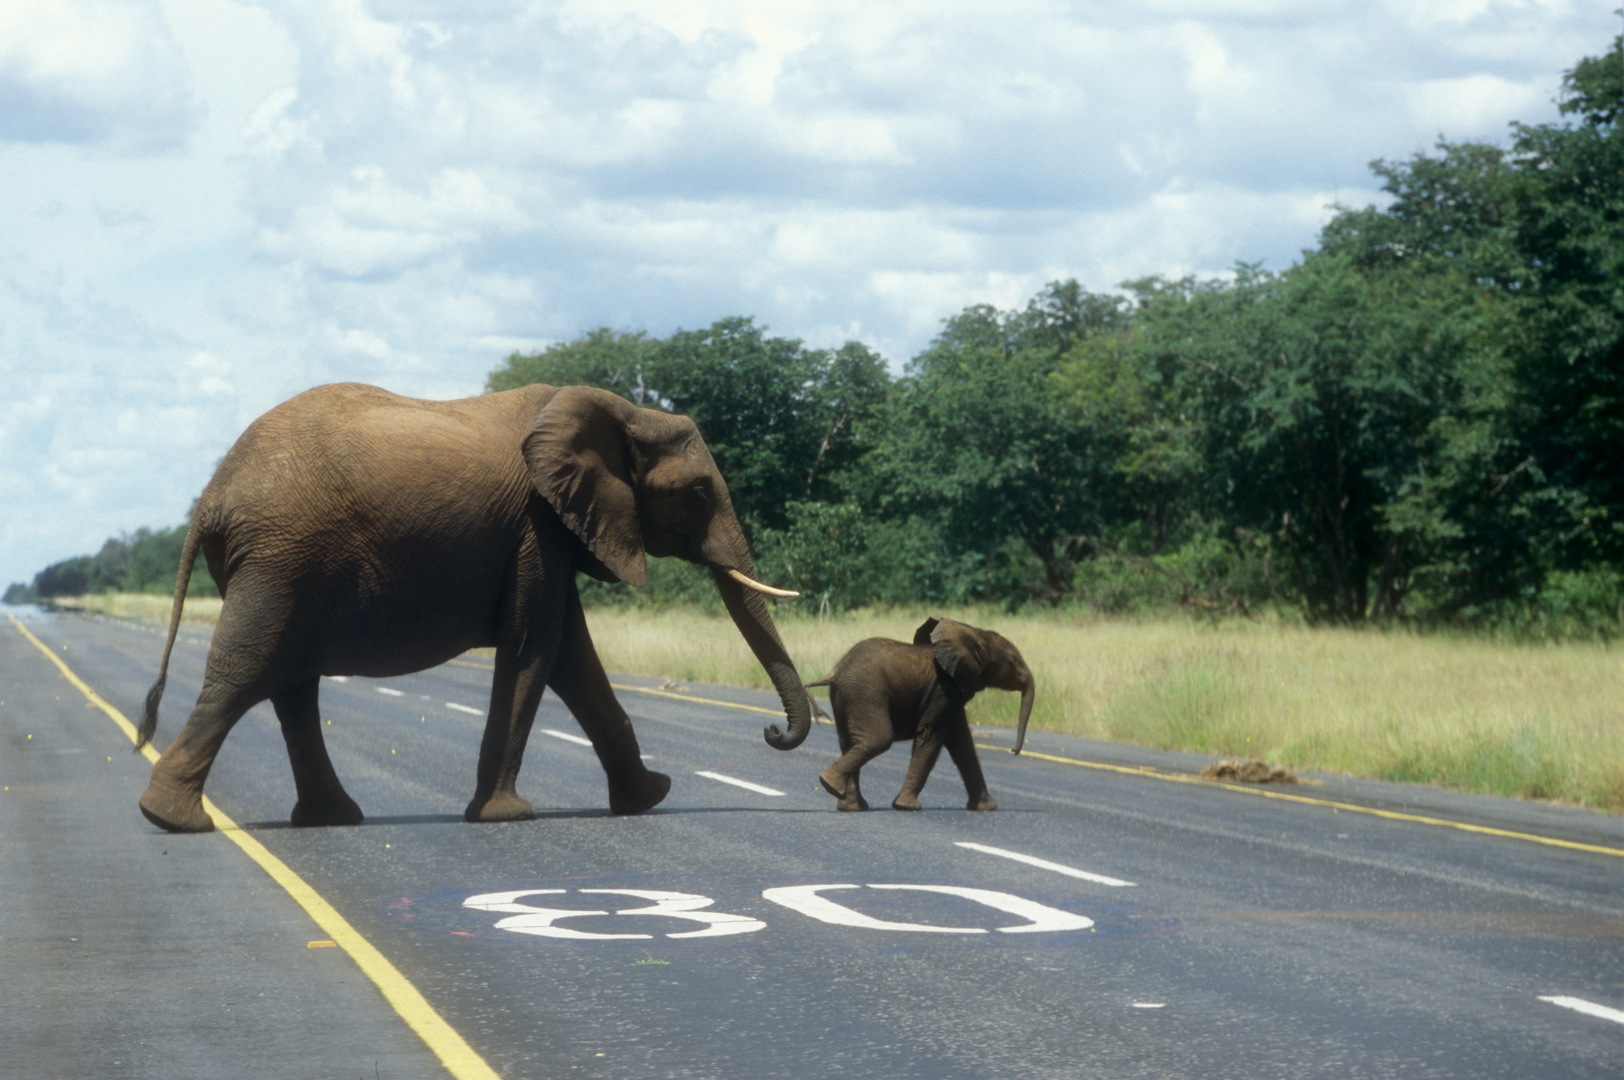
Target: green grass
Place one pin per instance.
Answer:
(1536, 720)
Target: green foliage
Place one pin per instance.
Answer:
(142, 562)
(975, 430)
(603, 358)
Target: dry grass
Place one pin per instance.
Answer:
(143, 606)
(1541, 721)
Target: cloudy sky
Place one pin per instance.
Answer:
(211, 205)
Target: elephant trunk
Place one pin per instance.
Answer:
(750, 615)
(1028, 692)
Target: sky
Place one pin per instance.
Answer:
(211, 205)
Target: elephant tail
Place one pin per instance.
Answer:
(183, 579)
(827, 680)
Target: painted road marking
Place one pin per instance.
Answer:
(566, 736)
(540, 921)
(806, 900)
(465, 708)
(339, 678)
(390, 690)
(1589, 1008)
(460, 1059)
(745, 784)
(1044, 864)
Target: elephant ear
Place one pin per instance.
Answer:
(582, 461)
(960, 652)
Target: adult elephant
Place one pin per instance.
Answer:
(356, 532)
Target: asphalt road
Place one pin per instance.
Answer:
(1169, 928)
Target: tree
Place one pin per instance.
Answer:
(608, 359)
(974, 437)
(1540, 227)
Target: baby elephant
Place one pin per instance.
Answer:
(884, 690)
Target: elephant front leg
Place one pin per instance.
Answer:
(583, 686)
(524, 656)
(322, 799)
(927, 745)
(515, 694)
(961, 748)
(934, 723)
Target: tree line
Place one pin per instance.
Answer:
(1423, 420)
(142, 561)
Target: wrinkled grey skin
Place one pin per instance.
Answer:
(355, 532)
(883, 691)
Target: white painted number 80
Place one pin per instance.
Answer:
(804, 899)
(530, 919)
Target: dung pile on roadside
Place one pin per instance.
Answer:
(1251, 771)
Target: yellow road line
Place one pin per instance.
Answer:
(1353, 808)
(700, 700)
(458, 1057)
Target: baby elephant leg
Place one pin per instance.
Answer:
(927, 745)
(961, 748)
(859, 744)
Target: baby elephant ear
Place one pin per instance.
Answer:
(922, 635)
(960, 653)
(581, 461)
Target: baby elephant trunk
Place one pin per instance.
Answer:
(1028, 692)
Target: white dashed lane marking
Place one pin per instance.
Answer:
(1045, 864)
(390, 690)
(465, 708)
(745, 784)
(566, 736)
(1589, 1008)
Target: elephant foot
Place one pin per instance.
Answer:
(842, 800)
(636, 796)
(500, 806)
(905, 802)
(981, 802)
(341, 810)
(175, 811)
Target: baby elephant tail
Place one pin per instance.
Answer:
(825, 681)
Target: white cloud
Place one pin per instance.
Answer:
(95, 71)
(1472, 106)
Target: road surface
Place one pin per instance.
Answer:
(1114, 918)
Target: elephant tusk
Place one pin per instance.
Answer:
(768, 590)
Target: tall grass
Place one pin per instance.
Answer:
(142, 606)
(1532, 720)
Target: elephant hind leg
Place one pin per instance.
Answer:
(173, 800)
(322, 799)
(859, 744)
